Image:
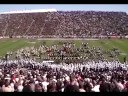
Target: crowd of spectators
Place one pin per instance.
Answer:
(64, 24)
(31, 76)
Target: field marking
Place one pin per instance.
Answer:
(65, 39)
(31, 42)
(123, 54)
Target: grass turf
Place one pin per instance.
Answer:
(107, 44)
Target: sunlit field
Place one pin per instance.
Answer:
(7, 45)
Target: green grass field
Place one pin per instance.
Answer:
(14, 44)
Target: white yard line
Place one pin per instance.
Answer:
(65, 39)
(31, 42)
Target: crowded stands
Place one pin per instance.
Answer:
(64, 24)
(31, 76)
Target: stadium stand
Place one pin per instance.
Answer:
(64, 24)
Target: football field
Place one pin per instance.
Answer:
(7, 45)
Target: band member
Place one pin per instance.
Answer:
(124, 59)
